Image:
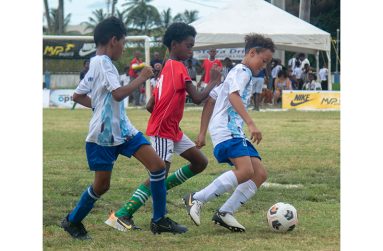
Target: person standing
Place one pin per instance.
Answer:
(207, 65)
(323, 74)
(133, 75)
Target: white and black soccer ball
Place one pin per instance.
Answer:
(282, 217)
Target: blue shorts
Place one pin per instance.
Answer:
(102, 158)
(234, 148)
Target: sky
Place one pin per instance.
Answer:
(82, 10)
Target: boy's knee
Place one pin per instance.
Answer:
(199, 165)
(101, 188)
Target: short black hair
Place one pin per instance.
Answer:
(108, 28)
(258, 42)
(177, 32)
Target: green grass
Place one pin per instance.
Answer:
(297, 148)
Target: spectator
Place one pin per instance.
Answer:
(227, 66)
(323, 74)
(191, 69)
(294, 83)
(303, 60)
(297, 73)
(275, 70)
(206, 66)
(258, 82)
(85, 68)
(133, 75)
(305, 73)
(156, 59)
(312, 84)
(124, 78)
(291, 62)
(282, 82)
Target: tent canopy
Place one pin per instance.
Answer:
(227, 27)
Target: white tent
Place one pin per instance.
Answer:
(226, 28)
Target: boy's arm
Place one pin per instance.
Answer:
(124, 91)
(236, 102)
(205, 118)
(82, 99)
(215, 79)
(150, 104)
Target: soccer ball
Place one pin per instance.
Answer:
(282, 217)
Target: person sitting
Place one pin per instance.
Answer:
(282, 82)
(312, 84)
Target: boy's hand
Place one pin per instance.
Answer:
(200, 141)
(215, 74)
(146, 72)
(256, 135)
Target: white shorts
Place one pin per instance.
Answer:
(166, 147)
(258, 85)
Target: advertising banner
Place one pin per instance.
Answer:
(62, 99)
(307, 100)
(232, 53)
(46, 93)
(66, 49)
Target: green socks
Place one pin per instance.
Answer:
(142, 194)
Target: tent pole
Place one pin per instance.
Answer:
(328, 53)
(317, 62)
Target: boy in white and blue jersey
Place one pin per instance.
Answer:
(226, 110)
(111, 133)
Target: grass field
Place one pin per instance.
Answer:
(300, 148)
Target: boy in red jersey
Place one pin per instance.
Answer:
(166, 107)
(206, 66)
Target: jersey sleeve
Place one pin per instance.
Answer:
(214, 93)
(83, 87)
(112, 79)
(239, 78)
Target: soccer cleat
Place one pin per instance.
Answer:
(228, 221)
(77, 231)
(193, 207)
(165, 224)
(123, 223)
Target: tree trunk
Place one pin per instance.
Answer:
(61, 17)
(113, 7)
(47, 16)
(304, 10)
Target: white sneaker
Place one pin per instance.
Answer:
(193, 208)
(228, 221)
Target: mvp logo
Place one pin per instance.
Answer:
(300, 99)
(330, 101)
(56, 50)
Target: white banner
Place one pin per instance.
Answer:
(232, 53)
(63, 98)
(46, 93)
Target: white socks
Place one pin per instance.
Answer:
(226, 182)
(242, 194)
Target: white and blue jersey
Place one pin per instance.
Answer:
(109, 125)
(225, 122)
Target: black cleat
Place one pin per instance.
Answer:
(228, 221)
(165, 224)
(77, 231)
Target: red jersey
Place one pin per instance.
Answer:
(206, 65)
(132, 73)
(169, 102)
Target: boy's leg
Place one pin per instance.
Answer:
(147, 156)
(100, 160)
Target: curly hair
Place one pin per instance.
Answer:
(177, 32)
(108, 28)
(259, 42)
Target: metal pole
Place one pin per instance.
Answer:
(337, 50)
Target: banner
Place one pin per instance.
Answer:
(67, 49)
(232, 53)
(62, 98)
(46, 93)
(311, 100)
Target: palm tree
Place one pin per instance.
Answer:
(186, 17)
(166, 18)
(55, 22)
(143, 16)
(60, 17)
(47, 16)
(99, 16)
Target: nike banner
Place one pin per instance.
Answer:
(66, 49)
(311, 100)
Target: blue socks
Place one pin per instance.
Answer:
(83, 207)
(158, 190)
